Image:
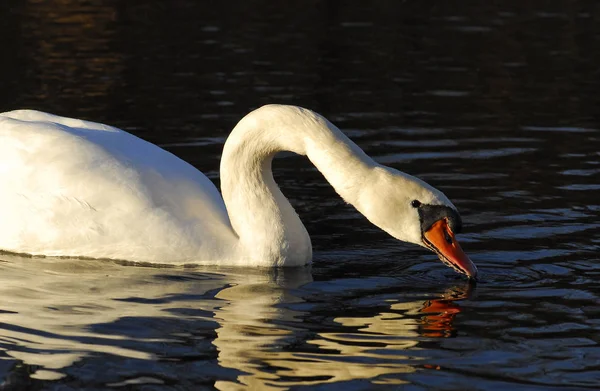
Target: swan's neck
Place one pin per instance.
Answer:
(270, 232)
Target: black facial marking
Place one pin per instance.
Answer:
(429, 214)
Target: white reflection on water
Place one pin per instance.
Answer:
(48, 307)
(51, 309)
(56, 315)
(257, 336)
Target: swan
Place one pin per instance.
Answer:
(75, 188)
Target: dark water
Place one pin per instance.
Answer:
(495, 103)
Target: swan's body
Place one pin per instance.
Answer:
(82, 189)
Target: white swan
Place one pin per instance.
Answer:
(82, 189)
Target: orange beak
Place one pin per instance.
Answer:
(440, 238)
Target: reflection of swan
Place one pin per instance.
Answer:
(127, 323)
(255, 334)
(54, 314)
(439, 313)
(77, 188)
(247, 338)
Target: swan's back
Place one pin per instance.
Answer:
(80, 188)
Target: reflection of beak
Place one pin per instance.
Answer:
(438, 314)
(440, 238)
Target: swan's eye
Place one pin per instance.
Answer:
(415, 203)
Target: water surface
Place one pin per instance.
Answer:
(495, 104)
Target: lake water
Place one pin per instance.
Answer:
(495, 103)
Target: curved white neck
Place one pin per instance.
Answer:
(269, 229)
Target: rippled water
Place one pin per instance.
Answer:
(495, 104)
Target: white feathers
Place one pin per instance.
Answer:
(96, 191)
(83, 189)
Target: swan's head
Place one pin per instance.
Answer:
(413, 211)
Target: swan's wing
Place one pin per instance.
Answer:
(78, 188)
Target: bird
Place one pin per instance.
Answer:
(82, 189)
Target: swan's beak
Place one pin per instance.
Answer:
(440, 238)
